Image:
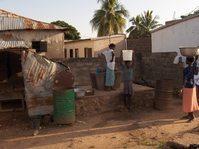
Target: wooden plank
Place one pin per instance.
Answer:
(6, 96)
(10, 109)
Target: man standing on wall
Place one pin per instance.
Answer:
(110, 67)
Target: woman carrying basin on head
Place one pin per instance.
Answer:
(190, 104)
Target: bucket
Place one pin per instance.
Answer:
(127, 55)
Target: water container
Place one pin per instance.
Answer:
(127, 55)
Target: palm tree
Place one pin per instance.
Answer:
(136, 21)
(149, 22)
(110, 18)
(143, 24)
(100, 1)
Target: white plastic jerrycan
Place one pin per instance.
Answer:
(127, 55)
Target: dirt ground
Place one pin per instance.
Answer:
(118, 129)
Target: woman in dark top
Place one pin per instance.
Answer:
(190, 103)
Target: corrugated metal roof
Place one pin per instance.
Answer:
(39, 74)
(13, 45)
(11, 21)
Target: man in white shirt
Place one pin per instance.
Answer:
(110, 67)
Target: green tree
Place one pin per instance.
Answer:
(71, 32)
(110, 18)
(135, 29)
(143, 24)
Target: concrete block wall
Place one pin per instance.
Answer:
(106, 102)
(141, 45)
(157, 66)
(150, 67)
(82, 67)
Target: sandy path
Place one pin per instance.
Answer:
(149, 129)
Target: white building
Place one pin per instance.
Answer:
(175, 34)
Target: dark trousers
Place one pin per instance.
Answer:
(127, 101)
(36, 121)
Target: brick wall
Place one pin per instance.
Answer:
(157, 66)
(141, 45)
(82, 67)
(150, 67)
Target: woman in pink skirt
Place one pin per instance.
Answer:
(190, 104)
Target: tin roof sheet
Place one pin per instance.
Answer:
(14, 45)
(11, 21)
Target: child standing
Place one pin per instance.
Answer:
(190, 103)
(127, 76)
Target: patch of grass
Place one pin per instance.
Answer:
(160, 145)
(147, 143)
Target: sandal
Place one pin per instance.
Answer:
(185, 117)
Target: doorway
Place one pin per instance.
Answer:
(11, 78)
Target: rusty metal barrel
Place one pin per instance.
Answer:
(64, 98)
(163, 94)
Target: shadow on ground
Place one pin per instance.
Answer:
(97, 125)
(59, 137)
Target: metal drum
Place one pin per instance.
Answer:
(100, 80)
(64, 106)
(163, 94)
(63, 80)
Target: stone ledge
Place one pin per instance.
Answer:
(104, 101)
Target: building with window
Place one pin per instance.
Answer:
(16, 34)
(87, 48)
(44, 37)
(176, 33)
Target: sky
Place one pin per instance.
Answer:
(79, 12)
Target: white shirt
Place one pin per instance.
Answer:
(183, 60)
(108, 56)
